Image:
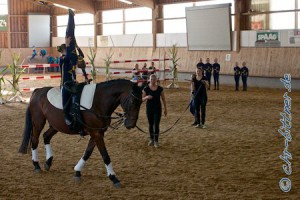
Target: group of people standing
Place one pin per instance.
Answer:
(238, 72)
(209, 69)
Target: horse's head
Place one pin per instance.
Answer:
(131, 105)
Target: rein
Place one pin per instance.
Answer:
(115, 125)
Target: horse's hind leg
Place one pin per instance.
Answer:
(49, 155)
(88, 152)
(37, 128)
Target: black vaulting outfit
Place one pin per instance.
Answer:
(153, 111)
(245, 74)
(237, 74)
(200, 100)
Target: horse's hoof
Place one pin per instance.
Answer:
(77, 179)
(48, 163)
(117, 185)
(37, 170)
(77, 176)
(115, 181)
(47, 167)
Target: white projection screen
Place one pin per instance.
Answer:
(39, 30)
(209, 27)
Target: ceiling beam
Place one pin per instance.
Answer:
(144, 3)
(82, 5)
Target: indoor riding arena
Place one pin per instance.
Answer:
(247, 147)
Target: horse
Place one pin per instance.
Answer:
(108, 96)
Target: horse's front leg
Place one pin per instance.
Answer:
(110, 172)
(88, 152)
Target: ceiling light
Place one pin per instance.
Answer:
(124, 1)
(61, 6)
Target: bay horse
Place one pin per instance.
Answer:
(108, 96)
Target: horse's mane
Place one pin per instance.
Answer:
(112, 82)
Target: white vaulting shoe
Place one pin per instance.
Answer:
(203, 126)
(150, 143)
(156, 145)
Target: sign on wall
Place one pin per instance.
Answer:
(3, 23)
(267, 39)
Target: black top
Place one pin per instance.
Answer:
(208, 68)
(152, 68)
(154, 103)
(200, 65)
(200, 90)
(237, 71)
(216, 68)
(244, 71)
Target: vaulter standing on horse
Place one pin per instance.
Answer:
(68, 62)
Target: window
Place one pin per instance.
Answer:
(113, 29)
(284, 20)
(84, 25)
(138, 27)
(136, 21)
(112, 16)
(175, 11)
(278, 20)
(175, 26)
(3, 7)
(134, 14)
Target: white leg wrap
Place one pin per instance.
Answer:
(35, 156)
(79, 165)
(110, 170)
(48, 150)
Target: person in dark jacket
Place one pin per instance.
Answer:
(245, 74)
(200, 84)
(208, 70)
(216, 72)
(237, 74)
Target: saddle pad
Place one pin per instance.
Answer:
(87, 96)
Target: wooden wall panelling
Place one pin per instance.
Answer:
(263, 62)
(3, 39)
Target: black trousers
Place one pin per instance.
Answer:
(216, 81)
(200, 104)
(244, 79)
(154, 116)
(208, 76)
(70, 32)
(237, 82)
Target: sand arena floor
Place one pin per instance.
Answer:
(236, 157)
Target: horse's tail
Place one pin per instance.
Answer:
(27, 133)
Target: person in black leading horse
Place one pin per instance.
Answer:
(237, 74)
(208, 70)
(245, 74)
(153, 93)
(216, 72)
(199, 85)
